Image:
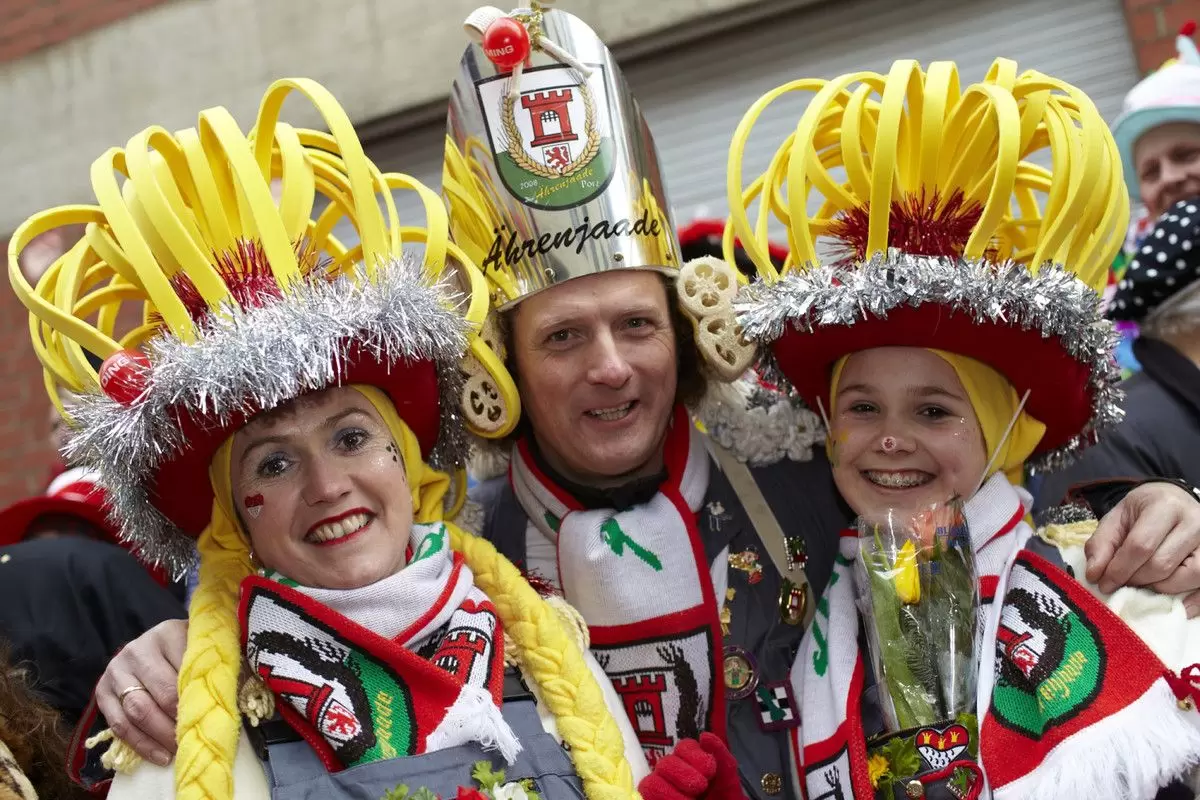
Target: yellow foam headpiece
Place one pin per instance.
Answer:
(868, 141)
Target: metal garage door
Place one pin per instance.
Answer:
(693, 96)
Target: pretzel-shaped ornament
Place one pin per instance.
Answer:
(706, 287)
(489, 398)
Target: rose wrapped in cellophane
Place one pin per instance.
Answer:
(919, 599)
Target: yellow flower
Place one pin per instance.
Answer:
(907, 578)
(877, 767)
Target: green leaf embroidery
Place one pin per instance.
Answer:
(425, 794)
(616, 538)
(398, 793)
(902, 755)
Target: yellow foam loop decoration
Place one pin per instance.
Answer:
(212, 218)
(299, 183)
(261, 221)
(120, 220)
(470, 201)
(371, 225)
(328, 152)
(902, 82)
(799, 237)
(163, 206)
(42, 307)
(928, 134)
(68, 283)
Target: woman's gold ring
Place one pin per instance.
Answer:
(137, 687)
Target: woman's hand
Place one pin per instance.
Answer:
(138, 693)
(703, 769)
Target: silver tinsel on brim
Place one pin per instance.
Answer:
(1054, 302)
(256, 359)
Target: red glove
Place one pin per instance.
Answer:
(703, 770)
(726, 784)
(685, 774)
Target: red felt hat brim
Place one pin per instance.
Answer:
(1060, 394)
(181, 489)
(17, 518)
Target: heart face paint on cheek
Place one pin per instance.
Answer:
(254, 505)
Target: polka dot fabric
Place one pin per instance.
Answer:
(1166, 260)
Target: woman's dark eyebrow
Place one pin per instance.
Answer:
(329, 422)
(341, 415)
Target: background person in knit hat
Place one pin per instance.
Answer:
(1159, 139)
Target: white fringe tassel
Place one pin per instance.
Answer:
(474, 717)
(1127, 756)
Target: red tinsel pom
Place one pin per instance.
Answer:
(916, 225)
(247, 274)
(540, 583)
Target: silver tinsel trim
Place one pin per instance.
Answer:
(1053, 302)
(256, 359)
(759, 427)
(1065, 514)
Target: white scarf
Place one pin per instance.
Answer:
(640, 579)
(1138, 743)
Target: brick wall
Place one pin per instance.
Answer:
(1153, 25)
(30, 25)
(25, 451)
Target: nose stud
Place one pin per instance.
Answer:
(888, 444)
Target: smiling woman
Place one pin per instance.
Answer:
(324, 496)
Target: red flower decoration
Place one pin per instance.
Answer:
(469, 794)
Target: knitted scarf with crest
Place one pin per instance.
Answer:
(1072, 703)
(640, 579)
(410, 664)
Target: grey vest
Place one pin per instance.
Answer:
(295, 773)
(805, 503)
